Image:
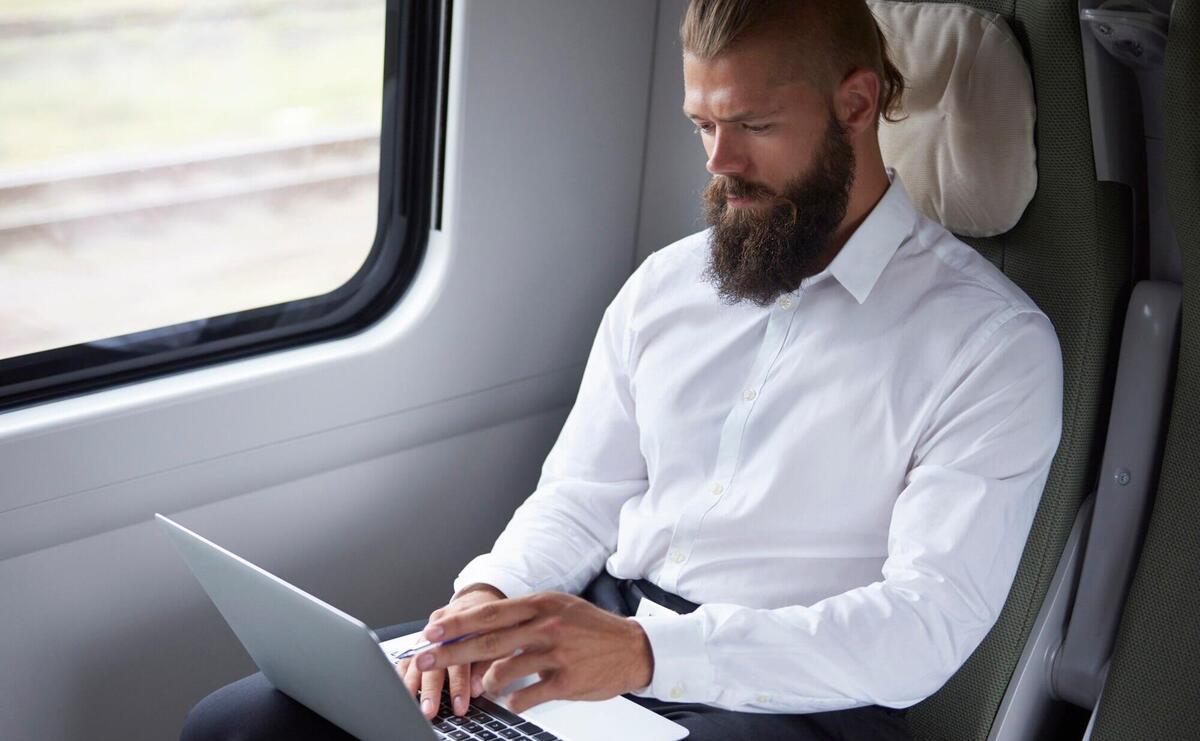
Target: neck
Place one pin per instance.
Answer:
(870, 183)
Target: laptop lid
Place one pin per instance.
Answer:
(315, 653)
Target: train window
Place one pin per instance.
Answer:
(187, 181)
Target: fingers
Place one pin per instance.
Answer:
(431, 692)
(411, 675)
(460, 690)
(431, 683)
(535, 694)
(489, 616)
(506, 671)
(478, 669)
(497, 644)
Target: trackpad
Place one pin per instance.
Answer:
(580, 720)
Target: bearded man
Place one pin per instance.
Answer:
(809, 441)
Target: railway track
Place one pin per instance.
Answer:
(69, 201)
(34, 25)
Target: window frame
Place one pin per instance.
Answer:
(413, 56)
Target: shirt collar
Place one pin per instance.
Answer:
(860, 262)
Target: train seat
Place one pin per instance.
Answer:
(1057, 232)
(1153, 680)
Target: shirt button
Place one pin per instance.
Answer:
(718, 489)
(785, 303)
(750, 395)
(676, 692)
(677, 556)
(762, 699)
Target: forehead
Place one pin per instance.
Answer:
(742, 79)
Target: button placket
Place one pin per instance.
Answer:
(687, 527)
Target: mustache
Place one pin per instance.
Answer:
(731, 186)
(722, 187)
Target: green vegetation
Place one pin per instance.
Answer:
(71, 9)
(134, 78)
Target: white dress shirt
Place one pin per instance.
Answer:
(844, 479)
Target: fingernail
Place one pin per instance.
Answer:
(460, 707)
(476, 686)
(425, 661)
(427, 707)
(435, 632)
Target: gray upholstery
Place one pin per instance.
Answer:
(1153, 687)
(1070, 253)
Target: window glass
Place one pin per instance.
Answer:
(165, 161)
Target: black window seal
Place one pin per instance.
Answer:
(407, 160)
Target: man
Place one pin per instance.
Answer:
(817, 431)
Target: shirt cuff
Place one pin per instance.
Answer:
(682, 671)
(479, 571)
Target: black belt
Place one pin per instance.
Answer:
(622, 596)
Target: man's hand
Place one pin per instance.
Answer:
(579, 651)
(466, 678)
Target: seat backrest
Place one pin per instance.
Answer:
(1153, 685)
(1070, 252)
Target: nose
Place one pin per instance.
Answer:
(724, 155)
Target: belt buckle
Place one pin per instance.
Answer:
(649, 608)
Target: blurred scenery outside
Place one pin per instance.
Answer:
(163, 161)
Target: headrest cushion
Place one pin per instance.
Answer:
(965, 150)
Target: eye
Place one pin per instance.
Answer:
(761, 128)
(702, 127)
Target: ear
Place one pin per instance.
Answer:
(856, 100)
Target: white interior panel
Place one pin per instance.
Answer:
(675, 176)
(110, 637)
(311, 461)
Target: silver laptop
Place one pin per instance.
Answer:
(333, 664)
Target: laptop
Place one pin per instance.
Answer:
(334, 665)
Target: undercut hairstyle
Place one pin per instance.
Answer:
(832, 39)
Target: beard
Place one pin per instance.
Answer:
(759, 253)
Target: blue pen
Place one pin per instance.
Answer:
(427, 644)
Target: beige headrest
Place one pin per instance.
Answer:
(965, 151)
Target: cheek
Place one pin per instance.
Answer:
(778, 161)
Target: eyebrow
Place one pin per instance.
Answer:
(737, 117)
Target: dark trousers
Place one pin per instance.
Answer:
(252, 710)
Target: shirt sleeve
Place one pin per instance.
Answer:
(957, 532)
(559, 538)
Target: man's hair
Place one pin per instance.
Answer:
(837, 37)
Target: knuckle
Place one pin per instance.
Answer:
(489, 612)
(553, 626)
(495, 679)
(490, 642)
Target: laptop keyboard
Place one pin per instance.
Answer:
(486, 721)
